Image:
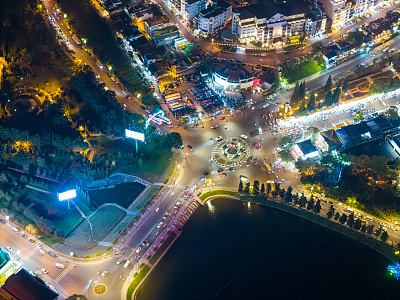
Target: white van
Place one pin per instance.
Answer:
(127, 263)
(243, 136)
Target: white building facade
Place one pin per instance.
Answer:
(276, 24)
(214, 18)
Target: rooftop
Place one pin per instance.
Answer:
(4, 258)
(23, 286)
(234, 72)
(269, 8)
(212, 11)
(307, 147)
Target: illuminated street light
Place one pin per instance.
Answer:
(109, 68)
(139, 95)
(65, 16)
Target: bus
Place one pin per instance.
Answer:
(165, 120)
(99, 64)
(75, 38)
(157, 121)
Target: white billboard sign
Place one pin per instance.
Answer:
(134, 135)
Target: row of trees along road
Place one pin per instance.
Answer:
(310, 204)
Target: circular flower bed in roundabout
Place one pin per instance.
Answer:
(231, 152)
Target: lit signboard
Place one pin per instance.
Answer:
(67, 195)
(134, 135)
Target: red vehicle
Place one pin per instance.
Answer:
(223, 117)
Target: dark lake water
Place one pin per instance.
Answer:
(233, 251)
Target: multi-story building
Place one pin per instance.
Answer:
(342, 11)
(155, 24)
(214, 17)
(191, 8)
(270, 22)
(338, 11)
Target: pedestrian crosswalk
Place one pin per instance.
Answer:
(29, 255)
(64, 272)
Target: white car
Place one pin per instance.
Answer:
(218, 138)
(39, 246)
(119, 261)
(243, 136)
(9, 248)
(138, 249)
(42, 252)
(44, 271)
(105, 273)
(61, 266)
(159, 225)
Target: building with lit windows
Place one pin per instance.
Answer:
(342, 11)
(214, 17)
(7, 266)
(277, 21)
(233, 77)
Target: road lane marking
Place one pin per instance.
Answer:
(64, 272)
(57, 287)
(29, 255)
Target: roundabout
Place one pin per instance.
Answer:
(231, 152)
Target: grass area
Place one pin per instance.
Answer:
(147, 197)
(136, 282)
(84, 19)
(162, 248)
(66, 223)
(218, 192)
(122, 194)
(104, 219)
(304, 69)
(154, 160)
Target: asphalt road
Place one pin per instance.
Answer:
(78, 277)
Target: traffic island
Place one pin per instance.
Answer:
(99, 289)
(232, 152)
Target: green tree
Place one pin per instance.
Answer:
(262, 189)
(392, 113)
(363, 228)
(256, 187)
(311, 103)
(328, 98)
(268, 188)
(302, 90)
(384, 236)
(328, 84)
(172, 140)
(247, 188)
(302, 200)
(317, 207)
(336, 95)
(350, 220)
(358, 117)
(295, 98)
(370, 229)
(310, 203)
(357, 224)
(337, 215)
(356, 38)
(240, 189)
(343, 218)
(286, 142)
